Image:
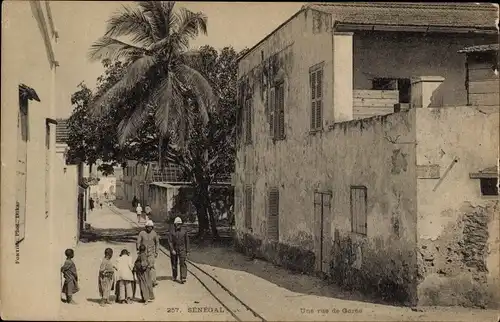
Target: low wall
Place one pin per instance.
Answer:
(458, 227)
(376, 153)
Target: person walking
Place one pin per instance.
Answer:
(134, 202)
(178, 242)
(141, 270)
(149, 238)
(124, 277)
(138, 211)
(91, 204)
(70, 275)
(106, 277)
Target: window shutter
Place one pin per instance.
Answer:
(313, 115)
(273, 220)
(319, 114)
(313, 85)
(281, 105)
(272, 112)
(319, 83)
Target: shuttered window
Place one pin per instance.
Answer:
(358, 209)
(277, 112)
(273, 215)
(248, 121)
(316, 83)
(248, 207)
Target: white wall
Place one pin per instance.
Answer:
(35, 279)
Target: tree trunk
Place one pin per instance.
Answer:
(160, 156)
(201, 213)
(213, 222)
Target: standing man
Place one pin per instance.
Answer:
(149, 238)
(178, 243)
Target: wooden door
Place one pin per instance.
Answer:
(322, 207)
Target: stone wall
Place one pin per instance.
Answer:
(377, 153)
(458, 229)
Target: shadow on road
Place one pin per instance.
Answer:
(221, 254)
(225, 257)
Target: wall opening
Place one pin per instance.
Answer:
(273, 214)
(359, 209)
(489, 186)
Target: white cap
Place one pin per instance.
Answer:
(149, 223)
(177, 220)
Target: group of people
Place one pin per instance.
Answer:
(123, 275)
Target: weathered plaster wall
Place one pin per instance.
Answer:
(36, 264)
(458, 229)
(403, 55)
(66, 191)
(384, 261)
(289, 53)
(378, 153)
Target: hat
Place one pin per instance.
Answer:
(177, 220)
(149, 223)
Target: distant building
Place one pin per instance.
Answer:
(39, 190)
(164, 190)
(358, 151)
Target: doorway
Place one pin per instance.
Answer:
(322, 210)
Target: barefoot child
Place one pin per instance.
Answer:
(141, 268)
(124, 277)
(106, 277)
(68, 270)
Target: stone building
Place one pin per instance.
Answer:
(39, 190)
(358, 147)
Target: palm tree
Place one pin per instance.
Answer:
(159, 80)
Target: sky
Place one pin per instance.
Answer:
(80, 23)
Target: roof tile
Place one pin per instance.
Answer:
(413, 14)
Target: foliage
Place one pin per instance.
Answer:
(153, 88)
(157, 82)
(94, 137)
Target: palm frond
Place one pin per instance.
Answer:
(131, 22)
(190, 25)
(169, 104)
(128, 127)
(200, 86)
(114, 49)
(153, 10)
(168, 16)
(133, 76)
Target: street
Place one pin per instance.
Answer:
(226, 286)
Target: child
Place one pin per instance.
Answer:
(141, 268)
(68, 270)
(124, 277)
(106, 277)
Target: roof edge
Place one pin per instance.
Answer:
(303, 8)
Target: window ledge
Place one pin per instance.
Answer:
(313, 132)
